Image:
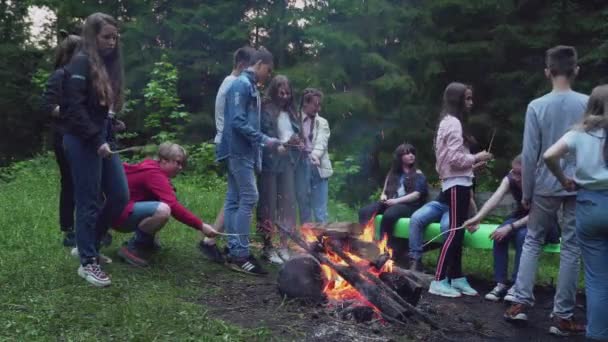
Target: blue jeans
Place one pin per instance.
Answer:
(433, 211)
(141, 211)
(94, 176)
(592, 235)
(241, 198)
(312, 192)
(501, 252)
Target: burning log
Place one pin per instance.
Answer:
(301, 278)
(403, 286)
(389, 304)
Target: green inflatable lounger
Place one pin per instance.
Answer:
(480, 240)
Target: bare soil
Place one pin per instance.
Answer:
(254, 302)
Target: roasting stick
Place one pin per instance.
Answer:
(440, 234)
(128, 149)
(491, 141)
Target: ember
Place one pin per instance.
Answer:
(359, 270)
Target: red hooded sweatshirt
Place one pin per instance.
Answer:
(148, 182)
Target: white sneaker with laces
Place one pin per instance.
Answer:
(510, 297)
(94, 275)
(272, 256)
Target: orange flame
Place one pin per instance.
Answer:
(337, 289)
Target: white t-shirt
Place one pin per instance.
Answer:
(220, 105)
(284, 126)
(588, 148)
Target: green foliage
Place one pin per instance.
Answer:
(343, 169)
(166, 116)
(382, 65)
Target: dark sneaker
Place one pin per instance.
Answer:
(211, 252)
(566, 327)
(247, 265)
(516, 312)
(69, 239)
(94, 275)
(132, 256)
(499, 291)
(106, 240)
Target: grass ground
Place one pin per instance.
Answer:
(42, 298)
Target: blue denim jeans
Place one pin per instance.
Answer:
(93, 177)
(433, 211)
(592, 235)
(501, 252)
(312, 192)
(241, 197)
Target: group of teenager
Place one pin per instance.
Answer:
(275, 152)
(563, 168)
(267, 135)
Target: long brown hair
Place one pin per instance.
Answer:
(106, 73)
(396, 171)
(453, 103)
(596, 115)
(271, 98)
(65, 50)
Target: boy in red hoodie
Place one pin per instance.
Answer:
(152, 202)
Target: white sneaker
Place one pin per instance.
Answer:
(284, 254)
(94, 275)
(510, 297)
(104, 259)
(272, 256)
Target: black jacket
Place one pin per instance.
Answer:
(51, 98)
(85, 117)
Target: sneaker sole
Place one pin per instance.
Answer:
(509, 298)
(492, 298)
(516, 319)
(555, 331)
(93, 281)
(130, 261)
(237, 268)
(444, 294)
(470, 294)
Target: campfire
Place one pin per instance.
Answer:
(348, 270)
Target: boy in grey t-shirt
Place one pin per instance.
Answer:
(241, 61)
(547, 119)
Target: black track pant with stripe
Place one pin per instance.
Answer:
(450, 259)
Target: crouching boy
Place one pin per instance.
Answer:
(152, 202)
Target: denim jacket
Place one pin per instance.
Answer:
(242, 137)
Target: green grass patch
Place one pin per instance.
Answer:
(42, 297)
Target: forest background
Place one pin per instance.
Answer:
(382, 65)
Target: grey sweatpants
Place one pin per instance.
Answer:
(543, 215)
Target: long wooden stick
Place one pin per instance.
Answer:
(491, 140)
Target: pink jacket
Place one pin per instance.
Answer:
(453, 158)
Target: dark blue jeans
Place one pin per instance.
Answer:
(94, 176)
(66, 194)
(501, 250)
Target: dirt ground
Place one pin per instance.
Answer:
(253, 302)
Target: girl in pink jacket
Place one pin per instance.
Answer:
(454, 163)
